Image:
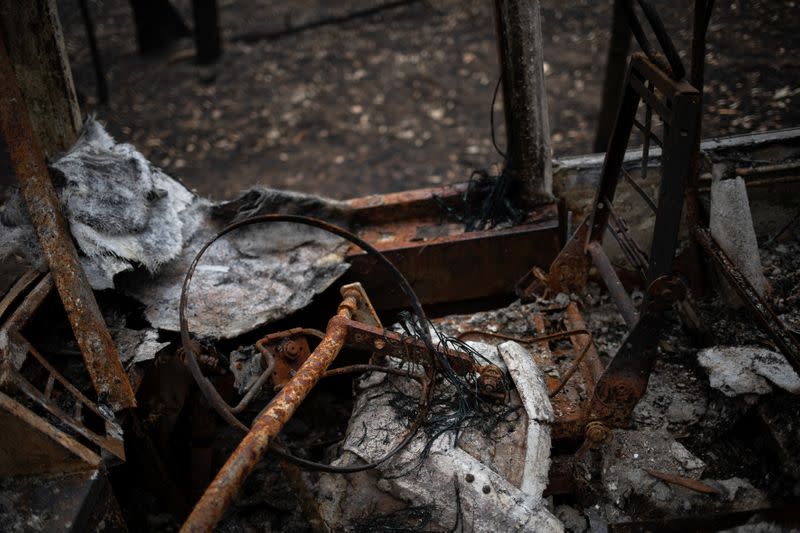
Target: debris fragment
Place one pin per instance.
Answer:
(138, 229)
(737, 370)
(731, 224)
(683, 481)
(424, 473)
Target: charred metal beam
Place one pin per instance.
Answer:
(519, 44)
(98, 349)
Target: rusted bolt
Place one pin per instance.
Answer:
(379, 344)
(598, 433)
(470, 478)
(487, 489)
(291, 349)
(490, 380)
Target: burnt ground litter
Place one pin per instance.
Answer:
(395, 100)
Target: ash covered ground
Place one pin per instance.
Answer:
(396, 100)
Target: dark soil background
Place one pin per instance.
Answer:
(396, 100)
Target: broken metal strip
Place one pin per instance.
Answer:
(24, 312)
(649, 136)
(228, 481)
(638, 188)
(115, 446)
(782, 169)
(11, 377)
(613, 283)
(14, 413)
(592, 367)
(773, 326)
(99, 352)
(19, 287)
(683, 481)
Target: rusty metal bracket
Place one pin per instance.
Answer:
(677, 104)
(99, 352)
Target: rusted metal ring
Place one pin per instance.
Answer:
(222, 408)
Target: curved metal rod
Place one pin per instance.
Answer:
(256, 387)
(222, 408)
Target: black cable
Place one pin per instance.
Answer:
(491, 117)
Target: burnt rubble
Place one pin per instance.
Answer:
(621, 352)
(495, 450)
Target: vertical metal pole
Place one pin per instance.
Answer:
(206, 31)
(613, 84)
(702, 15)
(519, 44)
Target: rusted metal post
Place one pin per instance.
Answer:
(226, 485)
(614, 83)
(35, 47)
(98, 349)
(702, 15)
(519, 45)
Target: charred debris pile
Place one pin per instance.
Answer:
(525, 416)
(606, 342)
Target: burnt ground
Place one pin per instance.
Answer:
(396, 100)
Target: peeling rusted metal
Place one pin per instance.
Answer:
(289, 350)
(569, 271)
(412, 236)
(99, 352)
(592, 367)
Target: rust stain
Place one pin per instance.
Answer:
(682, 481)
